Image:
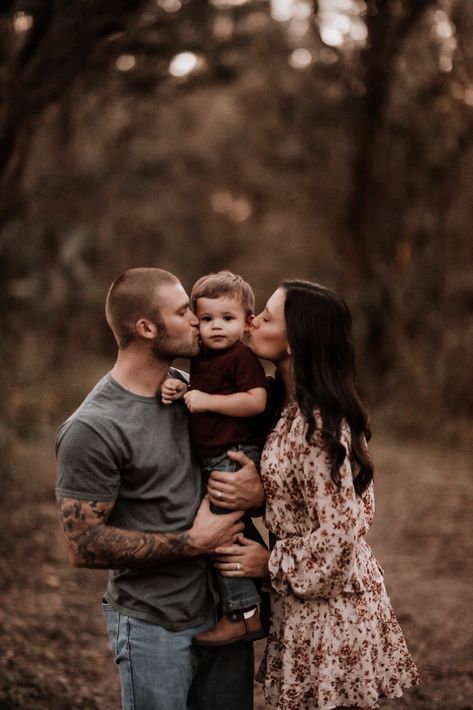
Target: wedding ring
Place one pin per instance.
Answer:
(220, 495)
(238, 566)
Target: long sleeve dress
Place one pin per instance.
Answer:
(334, 638)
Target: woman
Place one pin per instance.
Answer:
(334, 640)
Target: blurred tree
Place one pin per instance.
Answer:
(389, 26)
(415, 133)
(329, 140)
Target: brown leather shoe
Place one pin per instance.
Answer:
(231, 628)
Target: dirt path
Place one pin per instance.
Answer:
(53, 649)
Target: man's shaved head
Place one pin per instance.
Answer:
(134, 295)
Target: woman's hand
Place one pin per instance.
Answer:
(238, 490)
(245, 558)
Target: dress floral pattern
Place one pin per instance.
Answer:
(334, 638)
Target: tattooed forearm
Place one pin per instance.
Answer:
(93, 543)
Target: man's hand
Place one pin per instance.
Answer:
(237, 490)
(95, 544)
(197, 401)
(209, 531)
(172, 389)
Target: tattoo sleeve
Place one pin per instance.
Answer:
(93, 543)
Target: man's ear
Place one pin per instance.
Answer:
(145, 328)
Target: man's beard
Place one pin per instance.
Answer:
(165, 348)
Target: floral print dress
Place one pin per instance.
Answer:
(334, 638)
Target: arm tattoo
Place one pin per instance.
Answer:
(93, 543)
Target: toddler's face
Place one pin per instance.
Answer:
(222, 321)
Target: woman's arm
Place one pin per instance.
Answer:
(326, 559)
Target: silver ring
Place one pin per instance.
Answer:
(238, 566)
(220, 495)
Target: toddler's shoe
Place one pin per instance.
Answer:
(231, 628)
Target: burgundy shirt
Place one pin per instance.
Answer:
(236, 369)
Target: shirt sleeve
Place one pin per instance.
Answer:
(249, 372)
(86, 468)
(321, 562)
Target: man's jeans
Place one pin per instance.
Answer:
(235, 592)
(161, 670)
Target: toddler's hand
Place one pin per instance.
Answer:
(172, 389)
(197, 401)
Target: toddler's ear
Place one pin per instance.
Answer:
(249, 322)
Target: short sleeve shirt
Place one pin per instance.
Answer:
(235, 369)
(136, 452)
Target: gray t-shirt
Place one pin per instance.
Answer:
(135, 451)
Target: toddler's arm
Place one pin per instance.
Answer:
(172, 389)
(240, 404)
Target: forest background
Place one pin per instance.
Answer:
(331, 141)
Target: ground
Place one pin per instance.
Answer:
(53, 649)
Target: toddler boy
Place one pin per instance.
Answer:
(227, 391)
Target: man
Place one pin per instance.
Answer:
(129, 497)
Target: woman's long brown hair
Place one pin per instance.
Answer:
(319, 332)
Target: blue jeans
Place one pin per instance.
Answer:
(162, 670)
(235, 593)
